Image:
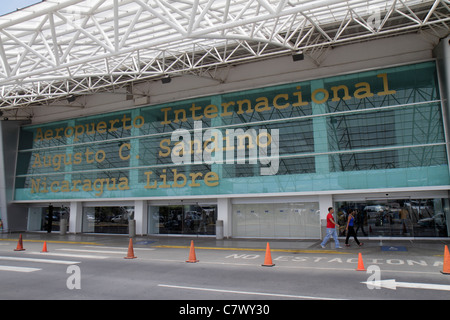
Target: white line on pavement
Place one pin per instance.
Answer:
(38, 260)
(247, 292)
(18, 269)
(120, 248)
(69, 255)
(94, 251)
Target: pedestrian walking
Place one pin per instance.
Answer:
(350, 230)
(331, 230)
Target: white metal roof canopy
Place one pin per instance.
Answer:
(59, 48)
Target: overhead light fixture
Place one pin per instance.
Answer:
(298, 56)
(166, 79)
(71, 98)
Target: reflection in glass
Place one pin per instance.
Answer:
(107, 219)
(397, 218)
(183, 219)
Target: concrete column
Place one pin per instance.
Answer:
(320, 125)
(325, 201)
(224, 214)
(442, 55)
(76, 217)
(141, 217)
(14, 217)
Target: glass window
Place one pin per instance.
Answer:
(389, 159)
(46, 218)
(397, 218)
(409, 128)
(107, 219)
(182, 219)
(365, 130)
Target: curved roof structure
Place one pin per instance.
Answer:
(59, 48)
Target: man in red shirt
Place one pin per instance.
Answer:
(331, 230)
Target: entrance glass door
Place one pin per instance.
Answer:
(47, 218)
(112, 220)
(182, 219)
(396, 218)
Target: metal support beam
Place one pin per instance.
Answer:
(52, 50)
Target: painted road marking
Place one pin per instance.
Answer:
(18, 269)
(94, 251)
(120, 248)
(339, 260)
(39, 260)
(247, 292)
(255, 249)
(54, 241)
(69, 255)
(392, 284)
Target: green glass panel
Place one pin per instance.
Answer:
(375, 129)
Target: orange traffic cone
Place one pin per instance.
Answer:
(446, 268)
(360, 263)
(130, 254)
(44, 247)
(192, 257)
(19, 244)
(268, 258)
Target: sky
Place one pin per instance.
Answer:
(8, 6)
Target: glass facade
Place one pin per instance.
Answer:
(107, 219)
(368, 130)
(46, 218)
(374, 129)
(182, 219)
(397, 218)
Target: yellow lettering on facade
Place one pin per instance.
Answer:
(177, 113)
(211, 111)
(336, 90)
(225, 106)
(66, 161)
(176, 176)
(240, 104)
(283, 96)
(363, 90)
(325, 95)
(386, 90)
(121, 156)
(262, 105)
(300, 102)
(148, 185)
(164, 145)
(211, 179)
(193, 110)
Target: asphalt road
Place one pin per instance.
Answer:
(80, 271)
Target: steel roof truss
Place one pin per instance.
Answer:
(74, 47)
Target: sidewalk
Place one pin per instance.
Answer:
(417, 247)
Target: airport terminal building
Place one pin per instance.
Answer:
(263, 145)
